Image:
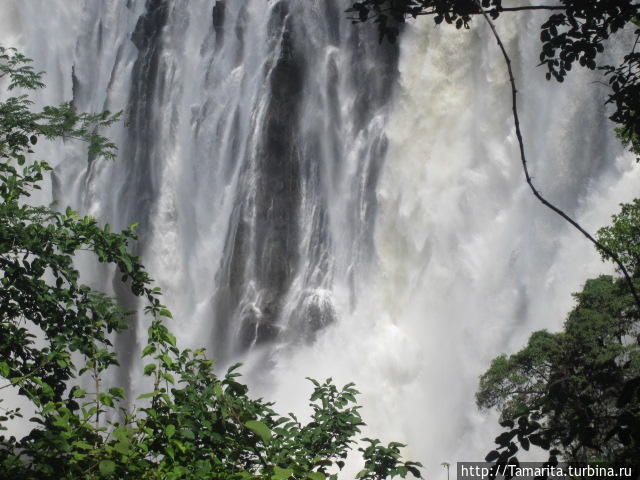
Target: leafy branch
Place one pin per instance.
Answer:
(514, 108)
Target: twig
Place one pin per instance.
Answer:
(389, 10)
(96, 379)
(523, 158)
(16, 380)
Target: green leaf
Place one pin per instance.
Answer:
(122, 447)
(105, 399)
(166, 360)
(107, 467)
(82, 445)
(127, 263)
(147, 395)
(170, 430)
(281, 473)
(149, 369)
(78, 392)
(148, 350)
(169, 337)
(316, 476)
(259, 429)
(117, 392)
(120, 433)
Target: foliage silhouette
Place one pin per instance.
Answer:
(577, 393)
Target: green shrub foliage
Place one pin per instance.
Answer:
(576, 393)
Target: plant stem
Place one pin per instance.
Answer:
(523, 158)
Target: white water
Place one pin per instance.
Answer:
(468, 262)
(415, 279)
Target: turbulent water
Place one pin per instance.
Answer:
(315, 204)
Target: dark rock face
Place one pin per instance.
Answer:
(217, 18)
(150, 24)
(278, 194)
(146, 87)
(272, 213)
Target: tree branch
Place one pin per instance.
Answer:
(511, 9)
(531, 7)
(497, 9)
(16, 380)
(523, 158)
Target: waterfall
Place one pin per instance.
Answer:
(315, 204)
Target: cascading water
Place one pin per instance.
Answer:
(314, 204)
